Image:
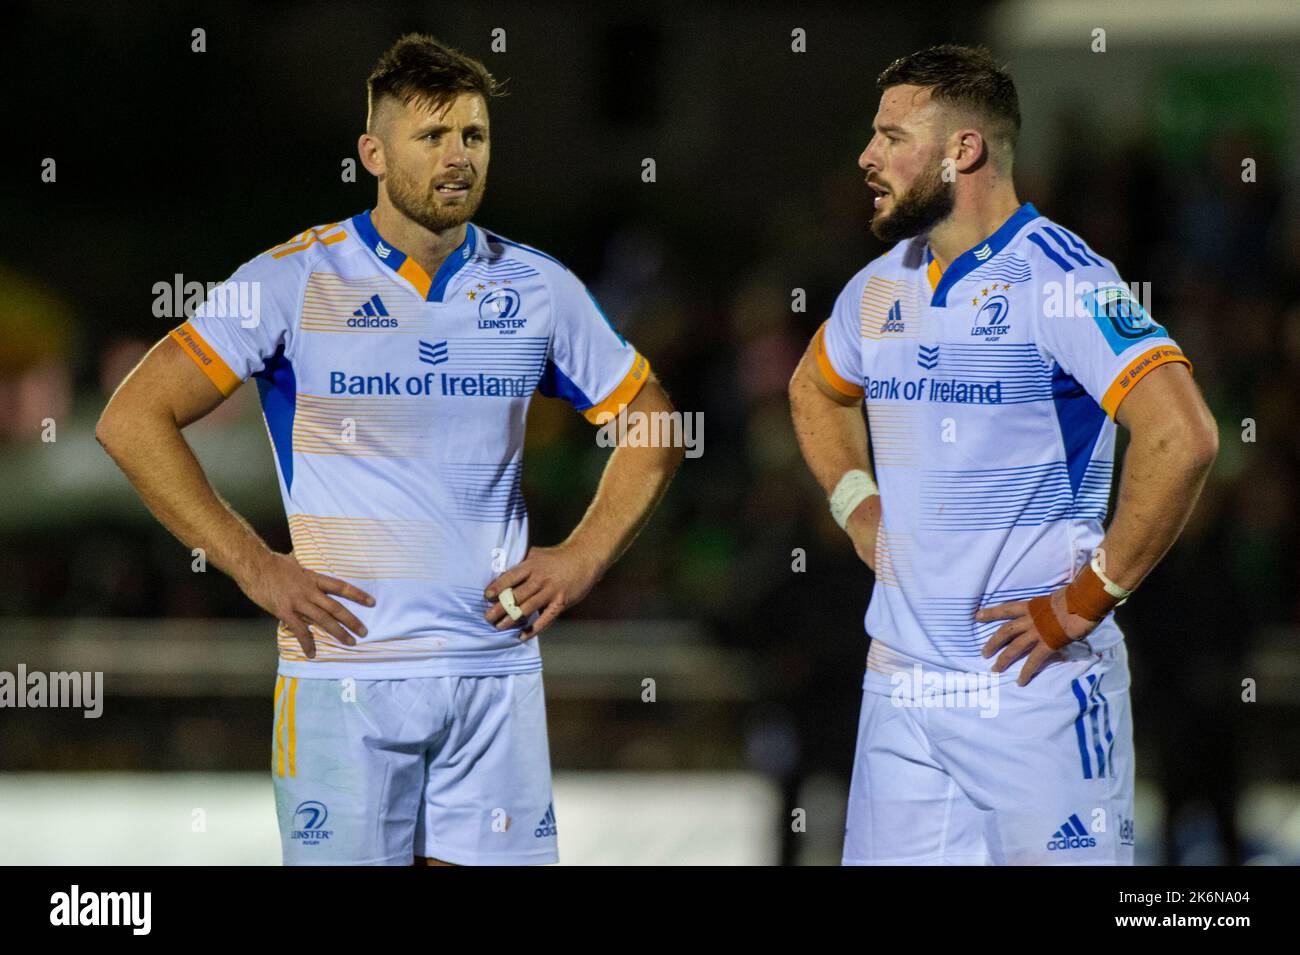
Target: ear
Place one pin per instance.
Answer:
(971, 148)
(371, 150)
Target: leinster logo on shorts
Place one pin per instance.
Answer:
(309, 823)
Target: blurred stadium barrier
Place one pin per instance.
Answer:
(605, 818)
(609, 818)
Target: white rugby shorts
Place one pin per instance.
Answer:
(376, 772)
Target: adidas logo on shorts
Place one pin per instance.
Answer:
(1072, 835)
(547, 826)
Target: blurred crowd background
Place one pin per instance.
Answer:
(175, 162)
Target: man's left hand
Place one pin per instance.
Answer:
(548, 579)
(1019, 636)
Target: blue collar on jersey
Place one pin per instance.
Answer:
(972, 259)
(431, 288)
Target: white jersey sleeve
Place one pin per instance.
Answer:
(1099, 334)
(838, 343)
(589, 363)
(243, 322)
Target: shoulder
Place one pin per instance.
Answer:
(506, 256)
(1072, 280)
(903, 262)
(289, 262)
(1053, 251)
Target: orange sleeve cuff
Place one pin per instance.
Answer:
(842, 385)
(206, 357)
(1136, 370)
(623, 393)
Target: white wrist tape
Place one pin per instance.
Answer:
(854, 488)
(507, 598)
(1112, 588)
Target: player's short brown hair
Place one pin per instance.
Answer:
(421, 68)
(967, 78)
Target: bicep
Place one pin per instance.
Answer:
(167, 382)
(1161, 393)
(808, 374)
(651, 397)
(1167, 398)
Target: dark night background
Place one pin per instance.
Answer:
(171, 161)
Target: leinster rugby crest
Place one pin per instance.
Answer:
(991, 320)
(498, 307)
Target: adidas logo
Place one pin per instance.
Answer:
(372, 315)
(894, 320)
(547, 826)
(1072, 835)
(927, 358)
(433, 353)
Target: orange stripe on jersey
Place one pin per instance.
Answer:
(1135, 371)
(351, 547)
(623, 393)
(414, 273)
(304, 240)
(206, 357)
(881, 659)
(934, 274)
(828, 371)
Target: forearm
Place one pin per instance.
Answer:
(630, 488)
(159, 463)
(1161, 480)
(833, 437)
(634, 480)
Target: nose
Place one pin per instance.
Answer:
(867, 161)
(457, 154)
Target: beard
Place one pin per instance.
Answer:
(422, 203)
(927, 202)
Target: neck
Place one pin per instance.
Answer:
(976, 215)
(430, 249)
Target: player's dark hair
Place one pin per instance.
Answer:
(967, 78)
(421, 68)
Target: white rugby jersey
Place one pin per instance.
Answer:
(990, 393)
(395, 402)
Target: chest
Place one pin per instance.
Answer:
(372, 336)
(977, 349)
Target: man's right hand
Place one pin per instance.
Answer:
(862, 526)
(299, 598)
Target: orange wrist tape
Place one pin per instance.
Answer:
(1045, 622)
(1087, 597)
